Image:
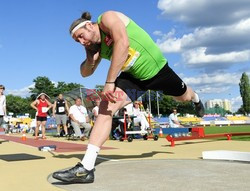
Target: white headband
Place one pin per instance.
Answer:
(79, 26)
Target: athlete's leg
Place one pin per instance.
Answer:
(99, 134)
(103, 123)
(171, 84)
(43, 128)
(102, 127)
(189, 95)
(38, 123)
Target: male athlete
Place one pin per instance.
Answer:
(136, 65)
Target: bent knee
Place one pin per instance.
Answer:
(108, 108)
(187, 96)
(183, 99)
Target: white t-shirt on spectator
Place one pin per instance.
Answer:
(2, 104)
(96, 109)
(137, 112)
(129, 108)
(172, 117)
(79, 112)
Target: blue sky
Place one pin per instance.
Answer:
(205, 41)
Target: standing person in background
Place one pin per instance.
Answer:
(60, 108)
(42, 106)
(2, 105)
(95, 110)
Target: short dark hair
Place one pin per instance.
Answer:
(78, 98)
(2, 87)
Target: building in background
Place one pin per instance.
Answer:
(225, 104)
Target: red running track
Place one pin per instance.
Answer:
(60, 146)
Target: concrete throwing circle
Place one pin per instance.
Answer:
(162, 175)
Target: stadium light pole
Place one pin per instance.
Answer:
(157, 102)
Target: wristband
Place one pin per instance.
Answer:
(109, 82)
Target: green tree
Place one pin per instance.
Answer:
(42, 84)
(185, 107)
(19, 105)
(240, 110)
(99, 88)
(216, 110)
(63, 87)
(166, 103)
(245, 92)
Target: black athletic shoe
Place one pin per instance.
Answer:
(199, 108)
(76, 174)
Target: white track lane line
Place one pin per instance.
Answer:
(104, 158)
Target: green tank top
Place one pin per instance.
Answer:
(144, 59)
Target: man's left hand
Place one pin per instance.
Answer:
(109, 93)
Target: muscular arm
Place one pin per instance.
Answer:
(113, 25)
(89, 65)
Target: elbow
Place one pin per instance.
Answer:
(85, 74)
(125, 42)
(123, 45)
(126, 45)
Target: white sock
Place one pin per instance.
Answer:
(196, 98)
(90, 156)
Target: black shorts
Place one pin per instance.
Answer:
(165, 81)
(38, 118)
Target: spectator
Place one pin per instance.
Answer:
(129, 108)
(79, 119)
(42, 106)
(121, 121)
(174, 122)
(140, 117)
(2, 105)
(118, 124)
(173, 119)
(95, 110)
(60, 108)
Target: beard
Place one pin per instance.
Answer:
(94, 47)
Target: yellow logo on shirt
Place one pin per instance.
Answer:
(132, 57)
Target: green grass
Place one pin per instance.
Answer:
(230, 129)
